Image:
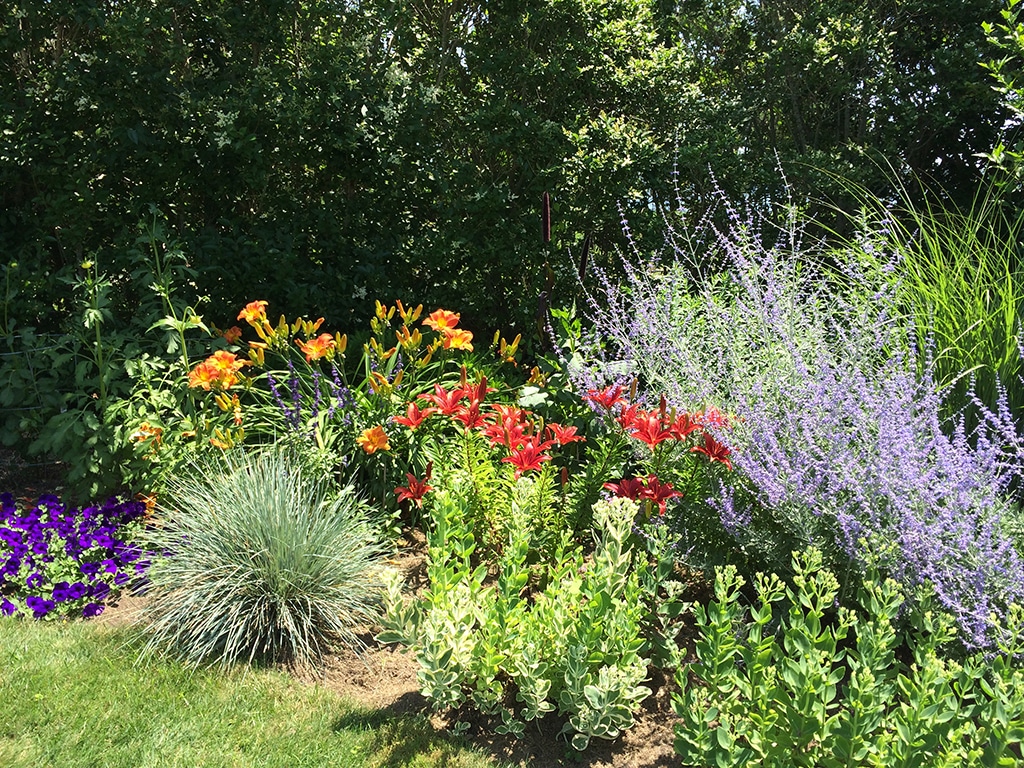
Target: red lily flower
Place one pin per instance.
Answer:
(713, 417)
(416, 489)
(470, 417)
(659, 492)
(652, 490)
(564, 435)
(477, 392)
(506, 425)
(649, 428)
(627, 488)
(714, 450)
(414, 416)
(607, 398)
(509, 434)
(529, 456)
(447, 402)
(684, 425)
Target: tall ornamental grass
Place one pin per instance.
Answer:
(261, 563)
(961, 280)
(838, 434)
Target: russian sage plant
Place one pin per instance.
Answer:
(838, 437)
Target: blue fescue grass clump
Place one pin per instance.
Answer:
(61, 561)
(262, 562)
(838, 438)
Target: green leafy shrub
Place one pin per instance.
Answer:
(801, 685)
(575, 644)
(260, 562)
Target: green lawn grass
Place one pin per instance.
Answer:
(72, 695)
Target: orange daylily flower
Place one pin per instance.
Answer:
(232, 334)
(316, 348)
(218, 371)
(147, 431)
(204, 376)
(441, 320)
(374, 439)
(254, 313)
(458, 339)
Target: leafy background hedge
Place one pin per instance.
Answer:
(323, 154)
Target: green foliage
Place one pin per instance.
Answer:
(799, 684)
(574, 645)
(261, 562)
(82, 395)
(959, 276)
(1007, 36)
(314, 153)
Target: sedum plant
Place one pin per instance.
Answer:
(574, 646)
(795, 683)
(261, 562)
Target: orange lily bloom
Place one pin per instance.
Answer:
(254, 313)
(441, 320)
(374, 439)
(316, 348)
(204, 376)
(218, 371)
(232, 334)
(458, 339)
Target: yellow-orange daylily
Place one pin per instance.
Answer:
(254, 314)
(204, 376)
(374, 439)
(316, 348)
(508, 351)
(409, 341)
(218, 371)
(442, 320)
(458, 338)
(232, 334)
(380, 352)
(383, 312)
(379, 384)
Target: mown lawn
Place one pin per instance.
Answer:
(72, 695)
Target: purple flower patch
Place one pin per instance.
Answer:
(35, 541)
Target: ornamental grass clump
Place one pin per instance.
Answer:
(261, 563)
(839, 439)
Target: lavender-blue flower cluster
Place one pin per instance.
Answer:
(58, 559)
(838, 438)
